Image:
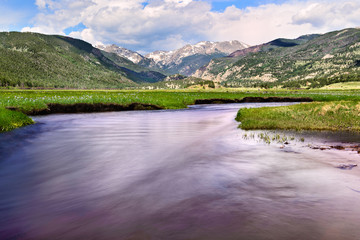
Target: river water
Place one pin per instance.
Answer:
(174, 174)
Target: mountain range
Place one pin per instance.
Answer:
(310, 60)
(122, 52)
(38, 60)
(185, 60)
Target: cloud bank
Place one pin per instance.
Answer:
(168, 24)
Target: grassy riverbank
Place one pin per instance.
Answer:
(337, 115)
(27, 101)
(10, 120)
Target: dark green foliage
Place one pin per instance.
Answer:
(357, 63)
(211, 84)
(284, 43)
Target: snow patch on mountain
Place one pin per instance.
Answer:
(122, 52)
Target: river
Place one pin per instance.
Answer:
(172, 174)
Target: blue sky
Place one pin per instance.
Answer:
(148, 25)
(26, 10)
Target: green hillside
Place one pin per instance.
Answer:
(309, 61)
(37, 60)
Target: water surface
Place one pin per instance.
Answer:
(174, 174)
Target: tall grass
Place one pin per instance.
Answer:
(338, 115)
(10, 120)
(28, 100)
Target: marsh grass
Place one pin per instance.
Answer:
(28, 100)
(337, 115)
(272, 137)
(10, 120)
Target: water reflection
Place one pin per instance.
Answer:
(185, 174)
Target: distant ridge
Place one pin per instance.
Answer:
(185, 60)
(309, 61)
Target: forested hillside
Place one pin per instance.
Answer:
(311, 60)
(37, 60)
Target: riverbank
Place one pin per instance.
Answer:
(333, 116)
(10, 120)
(35, 102)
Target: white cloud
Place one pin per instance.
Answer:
(169, 24)
(260, 24)
(321, 15)
(41, 4)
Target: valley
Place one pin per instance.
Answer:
(31, 101)
(179, 120)
(203, 71)
(31, 60)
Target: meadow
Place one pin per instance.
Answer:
(336, 115)
(343, 86)
(26, 101)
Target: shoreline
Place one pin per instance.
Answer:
(253, 100)
(328, 116)
(108, 102)
(53, 108)
(344, 144)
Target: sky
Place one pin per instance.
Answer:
(149, 25)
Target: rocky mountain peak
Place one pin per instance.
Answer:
(122, 52)
(204, 47)
(184, 60)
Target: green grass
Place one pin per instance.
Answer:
(343, 85)
(336, 115)
(10, 120)
(28, 100)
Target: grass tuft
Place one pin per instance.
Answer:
(343, 116)
(10, 120)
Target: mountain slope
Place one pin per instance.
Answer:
(190, 57)
(135, 72)
(37, 60)
(334, 56)
(122, 52)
